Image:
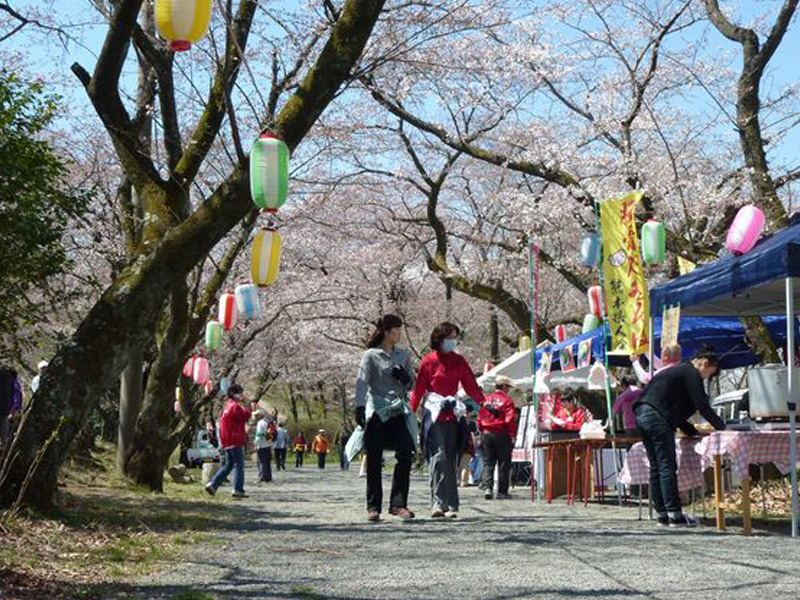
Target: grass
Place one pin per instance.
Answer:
(192, 595)
(305, 592)
(105, 530)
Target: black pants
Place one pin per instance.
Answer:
(659, 441)
(280, 459)
(298, 458)
(264, 464)
(496, 451)
(321, 456)
(377, 437)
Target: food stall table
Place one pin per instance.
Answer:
(576, 450)
(743, 448)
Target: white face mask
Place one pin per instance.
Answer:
(449, 345)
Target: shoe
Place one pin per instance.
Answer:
(451, 514)
(683, 521)
(373, 516)
(488, 495)
(437, 513)
(210, 489)
(402, 512)
(506, 496)
(663, 521)
(239, 495)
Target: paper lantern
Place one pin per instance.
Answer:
(560, 333)
(228, 312)
(590, 250)
(266, 258)
(213, 335)
(745, 229)
(182, 22)
(524, 343)
(247, 301)
(595, 295)
(654, 242)
(590, 323)
(178, 395)
(269, 172)
(224, 384)
(200, 374)
(208, 388)
(188, 367)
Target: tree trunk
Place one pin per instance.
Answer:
(130, 403)
(293, 403)
(93, 358)
(494, 334)
(322, 399)
(150, 450)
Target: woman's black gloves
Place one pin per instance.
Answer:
(401, 374)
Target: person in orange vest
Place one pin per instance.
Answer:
(320, 446)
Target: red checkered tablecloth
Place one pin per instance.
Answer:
(636, 470)
(747, 448)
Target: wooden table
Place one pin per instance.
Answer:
(577, 449)
(744, 448)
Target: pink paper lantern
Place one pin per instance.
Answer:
(561, 333)
(188, 367)
(200, 374)
(745, 229)
(228, 312)
(595, 295)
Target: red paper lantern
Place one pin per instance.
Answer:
(228, 311)
(188, 367)
(595, 295)
(561, 333)
(201, 371)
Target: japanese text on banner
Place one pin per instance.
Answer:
(624, 284)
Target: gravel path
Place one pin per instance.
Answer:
(304, 537)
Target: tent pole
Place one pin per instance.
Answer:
(533, 272)
(792, 406)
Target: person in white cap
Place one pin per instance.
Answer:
(320, 447)
(497, 421)
(42, 367)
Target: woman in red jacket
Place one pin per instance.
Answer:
(441, 372)
(232, 440)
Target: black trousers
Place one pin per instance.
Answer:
(298, 458)
(280, 459)
(321, 460)
(377, 437)
(659, 441)
(496, 451)
(264, 464)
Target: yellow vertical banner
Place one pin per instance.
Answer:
(624, 286)
(670, 325)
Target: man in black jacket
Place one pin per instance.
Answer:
(672, 396)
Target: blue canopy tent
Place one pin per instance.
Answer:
(761, 282)
(725, 334)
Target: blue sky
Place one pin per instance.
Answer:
(46, 55)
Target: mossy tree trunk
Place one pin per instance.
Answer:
(125, 315)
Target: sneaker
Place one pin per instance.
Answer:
(373, 516)
(239, 495)
(663, 521)
(402, 512)
(437, 513)
(504, 496)
(683, 521)
(210, 489)
(451, 514)
(488, 495)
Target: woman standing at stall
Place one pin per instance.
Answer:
(440, 374)
(384, 379)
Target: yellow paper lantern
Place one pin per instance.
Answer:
(266, 259)
(182, 22)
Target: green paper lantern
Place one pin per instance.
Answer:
(269, 172)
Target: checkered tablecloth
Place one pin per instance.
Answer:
(746, 448)
(636, 470)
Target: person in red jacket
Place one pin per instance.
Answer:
(497, 421)
(571, 416)
(441, 372)
(232, 440)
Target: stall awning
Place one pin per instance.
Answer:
(751, 284)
